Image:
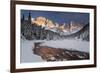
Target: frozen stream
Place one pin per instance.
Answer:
(27, 46)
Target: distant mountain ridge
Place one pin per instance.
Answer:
(83, 33)
(43, 28)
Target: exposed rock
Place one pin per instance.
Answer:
(83, 33)
(42, 21)
(58, 54)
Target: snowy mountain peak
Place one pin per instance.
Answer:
(44, 22)
(50, 25)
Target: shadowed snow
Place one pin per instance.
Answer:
(27, 53)
(68, 44)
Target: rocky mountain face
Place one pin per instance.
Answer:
(82, 34)
(43, 22)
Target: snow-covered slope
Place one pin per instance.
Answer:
(71, 32)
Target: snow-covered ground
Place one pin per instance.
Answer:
(70, 44)
(27, 53)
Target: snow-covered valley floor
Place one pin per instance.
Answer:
(27, 46)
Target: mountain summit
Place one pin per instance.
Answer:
(49, 24)
(42, 21)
